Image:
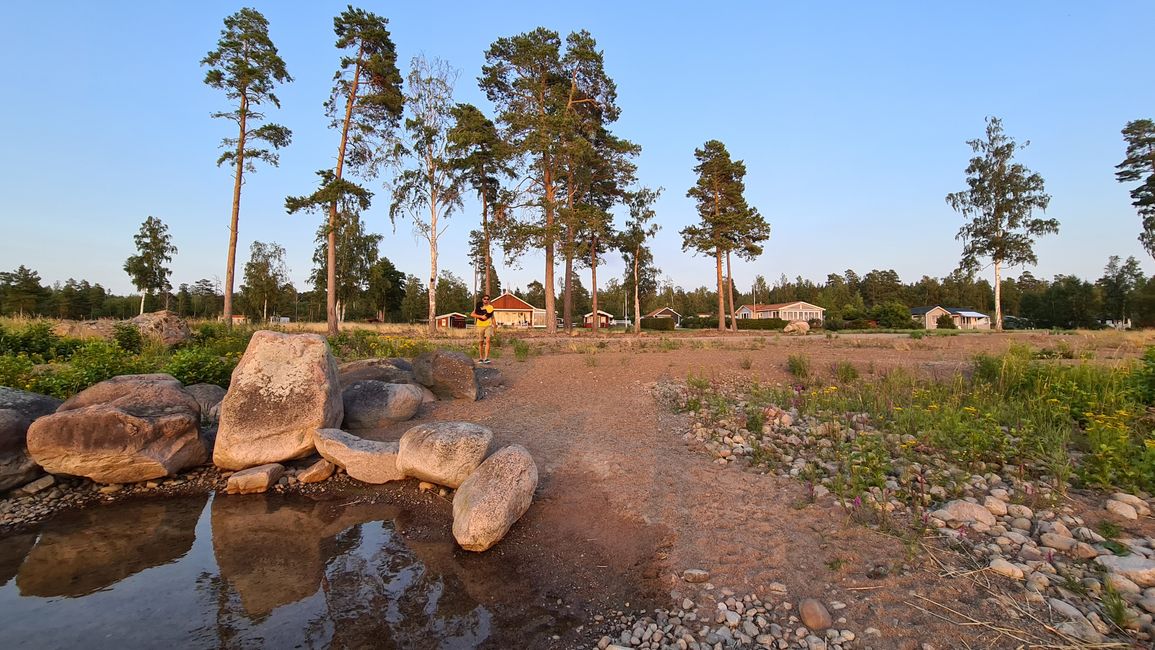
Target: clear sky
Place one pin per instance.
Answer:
(852, 118)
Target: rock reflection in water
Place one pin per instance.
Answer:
(371, 587)
(89, 550)
(248, 571)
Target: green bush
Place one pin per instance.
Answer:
(761, 323)
(945, 322)
(200, 366)
(222, 340)
(91, 364)
(664, 324)
(798, 365)
(520, 349)
(128, 337)
(893, 315)
(15, 371)
(38, 342)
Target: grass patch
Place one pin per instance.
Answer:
(798, 365)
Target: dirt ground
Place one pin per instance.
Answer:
(625, 505)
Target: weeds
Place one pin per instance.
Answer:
(798, 365)
(845, 372)
(746, 363)
(520, 350)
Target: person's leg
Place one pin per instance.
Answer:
(486, 340)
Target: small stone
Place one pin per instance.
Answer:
(1003, 567)
(426, 486)
(1021, 523)
(814, 614)
(687, 604)
(255, 480)
(695, 575)
(1019, 511)
(1057, 542)
(317, 472)
(39, 484)
(110, 489)
(1135, 502)
(997, 507)
(1121, 509)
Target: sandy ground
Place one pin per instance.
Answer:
(622, 490)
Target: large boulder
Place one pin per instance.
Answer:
(390, 371)
(796, 327)
(494, 496)
(127, 429)
(368, 461)
(284, 388)
(165, 326)
(448, 374)
(371, 404)
(18, 409)
(443, 452)
(209, 396)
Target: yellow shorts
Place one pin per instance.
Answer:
(485, 331)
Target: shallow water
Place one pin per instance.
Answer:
(255, 571)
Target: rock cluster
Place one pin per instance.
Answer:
(165, 326)
(732, 621)
(1013, 526)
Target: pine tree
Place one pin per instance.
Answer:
(632, 242)
(1140, 166)
(366, 105)
(148, 268)
(246, 66)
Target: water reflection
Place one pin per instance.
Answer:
(235, 572)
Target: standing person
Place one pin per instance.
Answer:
(483, 315)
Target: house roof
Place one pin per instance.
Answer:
(508, 301)
(661, 310)
(452, 313)
(780, 305)
(957, 311)
(603, 313)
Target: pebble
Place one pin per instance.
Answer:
(1002, 567)
(814, 614)
(695, 575)
(1121, 509)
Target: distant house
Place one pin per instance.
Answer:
(604, 319)
(666, 312)
(511, 311)
(964, 319)
(452, 320)
(787, 311)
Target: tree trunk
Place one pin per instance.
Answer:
(265, 311)
(637, 302)
(730, 291)
(331, 271)
(594, 280)
(237, 182)
(142, 296)
(550, 306)
(998, 298)
(567, 291)
(432, 249)
(485, 232)
(721, 294)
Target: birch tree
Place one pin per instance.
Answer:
(1000, 200)
(430, 189)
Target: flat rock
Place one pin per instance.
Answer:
(373, 404)
(125, 430)
(443, 452)
(1121, 509)
(493, 498)
(390, 371)
(1057, 542)
(284, 388)
(42, 483)
(814, 615)
(967, 512)
(317, 472)
(255, 479)
(1139, 570)
(368, 461)
(996, 507)
(448, 374)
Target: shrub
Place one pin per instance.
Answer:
(201, 366)
(664, 324)
(127, 336)
(15, 371)
(893, 315)
(798, 365)
(520, 350)
(91, 364)
(761, 323)
(845, 372)
(945, 322)
(38, 342)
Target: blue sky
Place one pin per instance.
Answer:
(852, 118)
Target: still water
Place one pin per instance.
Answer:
(238, 572)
